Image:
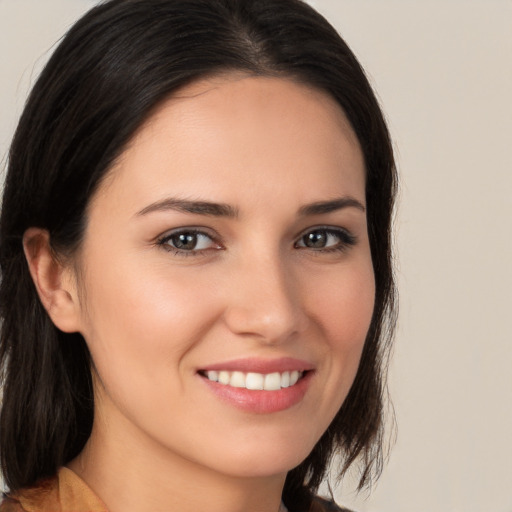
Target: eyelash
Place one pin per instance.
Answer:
(164, 242)
(346, 240)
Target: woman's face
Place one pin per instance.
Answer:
(227, 250)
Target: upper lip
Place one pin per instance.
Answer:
(257, 365)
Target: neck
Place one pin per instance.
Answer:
(134, 473)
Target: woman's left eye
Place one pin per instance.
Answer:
(326, 239)
(189, 241)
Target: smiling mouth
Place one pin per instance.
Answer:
(255, 381)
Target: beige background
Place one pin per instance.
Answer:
(443, 70)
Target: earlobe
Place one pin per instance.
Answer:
(54, 282)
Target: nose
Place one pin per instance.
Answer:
(264, 300)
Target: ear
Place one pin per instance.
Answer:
(55, 283)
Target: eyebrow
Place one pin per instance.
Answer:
(187, 206)
(225, 210)
(323, 207)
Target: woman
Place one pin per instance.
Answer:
(197, 292)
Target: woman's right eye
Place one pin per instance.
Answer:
(188, 242)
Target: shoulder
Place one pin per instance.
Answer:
(323, 505)
(8, 504)
(64, 492)
(30, 499)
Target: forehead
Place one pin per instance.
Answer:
(237, 94)
(238, 131)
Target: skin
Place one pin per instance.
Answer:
(153, 317)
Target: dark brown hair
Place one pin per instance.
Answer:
(109, 73)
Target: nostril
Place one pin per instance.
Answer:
(270, 323)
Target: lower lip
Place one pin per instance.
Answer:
(261, 402)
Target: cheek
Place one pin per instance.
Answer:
(341, 307)
(343, 310)
(138, 322)
(344, 307)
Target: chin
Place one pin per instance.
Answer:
(263, 461)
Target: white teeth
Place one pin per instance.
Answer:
(224, 377)
(213, 375)
(272, 381)
(237, 380)
(255, 381)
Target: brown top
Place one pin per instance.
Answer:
(67, 492)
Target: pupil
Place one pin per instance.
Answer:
(185, 241)
(317, 239)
